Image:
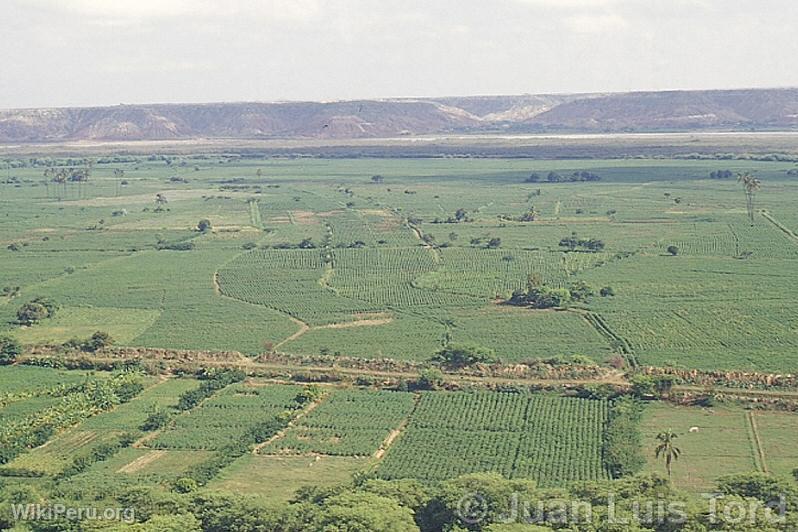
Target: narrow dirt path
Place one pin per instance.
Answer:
(303, 328)
(141, 462)
(312, 406)
(395, 433)
(757, 442)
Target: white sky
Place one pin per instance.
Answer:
(100, 52)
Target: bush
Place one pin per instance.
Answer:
(429, 379)
(97, 341)
(10, 349)
(463, 355)
(673, 250)
(36, 310)
(157, 419)
(607, 291)
(204, 225)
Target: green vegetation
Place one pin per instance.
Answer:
(177, 260)
(553, 440)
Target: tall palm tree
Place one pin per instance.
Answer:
(667, 449)
(751, 185)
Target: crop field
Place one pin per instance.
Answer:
(553, 440)
(225, 417)
(104, 428)
(348, 423)
(315, 256)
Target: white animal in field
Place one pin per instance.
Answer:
(693, 429)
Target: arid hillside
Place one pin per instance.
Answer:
(640, 111)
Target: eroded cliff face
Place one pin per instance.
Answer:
(641, 111)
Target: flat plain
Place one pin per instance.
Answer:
(367, 258)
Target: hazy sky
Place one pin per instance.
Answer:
(99, 52)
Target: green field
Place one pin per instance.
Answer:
(726, 301)
(724, 441)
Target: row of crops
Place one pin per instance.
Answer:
(551, 439)
(226, 417)
(348, 423)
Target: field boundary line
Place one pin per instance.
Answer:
(303, 328)
(616, 341)
(280, 433)
(395, 433)
(786, 230)
(142, 461)
(760, 452)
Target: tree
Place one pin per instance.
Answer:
(362, 512)
(429, 379)
(751, 185)
(673, 250)
(494, 243)
(97, 341)
(666, 448)
(533, 178)
(204, 225)
(10, 349)
(31, 313)
(607, 291)
(463, 355)
(377, 179)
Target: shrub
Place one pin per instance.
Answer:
(463, 355)
(33, 312)
(10, 349)
(429, 379)
(204, 225)
(97, 341)
(607, 291)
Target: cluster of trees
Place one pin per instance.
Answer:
(211, 383)
(9, 291)
(182, 245)
(721, 174)
(529, 216)
(622, 438)
(480, 502)
(305, 243)
(460, 216)
(36, 310)
(540, 296)
(574, 243)
(10, 349)
(554, 177)
(457, 356)
(492, 242)
(92, 344)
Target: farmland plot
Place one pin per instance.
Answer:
(347, 423)
(551, 439)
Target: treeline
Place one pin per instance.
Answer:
(209, 386)
(482, 502)
(622, 439)
(554, 177)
